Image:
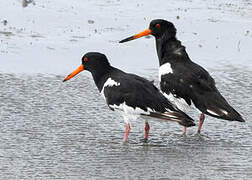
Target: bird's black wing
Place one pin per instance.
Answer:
(194, 84)
(138, 92)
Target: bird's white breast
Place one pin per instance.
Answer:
(165, 69)
(130, 113)
(179, 102)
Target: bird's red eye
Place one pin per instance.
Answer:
(157, 25)
(85, 59)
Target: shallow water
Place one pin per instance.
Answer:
(55, 130)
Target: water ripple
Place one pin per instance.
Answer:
(55, 130)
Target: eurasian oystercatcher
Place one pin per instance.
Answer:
(182, 81)
(132, 95)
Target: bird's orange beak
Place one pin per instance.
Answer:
(74, 73)
(141, 34)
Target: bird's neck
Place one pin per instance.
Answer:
(169, 49)
(100, 76)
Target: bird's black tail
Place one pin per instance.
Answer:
(176, 116)
(227, 113)
(221, 109)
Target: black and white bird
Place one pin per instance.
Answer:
(182, 81)
(130, 94)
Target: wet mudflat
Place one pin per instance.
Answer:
(55, 130)
(52, 130)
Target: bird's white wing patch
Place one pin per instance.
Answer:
(225, 112)
(165, 69)
(213, 113)
(109, 83)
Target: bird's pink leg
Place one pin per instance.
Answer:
(127, 130)
(202, 118)
(184, 130)
(146, 133)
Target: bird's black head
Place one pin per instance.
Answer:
(158, 28)
(94, 62)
